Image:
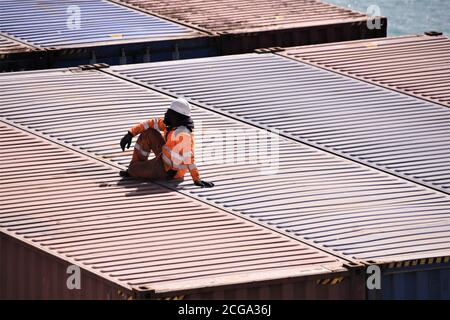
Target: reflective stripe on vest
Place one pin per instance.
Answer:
(173, 165)
(155, 124)
(173, 158)
(177, 158)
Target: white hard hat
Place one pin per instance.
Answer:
(181, 106)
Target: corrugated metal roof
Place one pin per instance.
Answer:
(8, 45)
(417, 65)
(137, 234)
(394, 132)
(234, 16)
(323, 199)
(45, 23)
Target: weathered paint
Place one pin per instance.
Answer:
(15, 55)
(415, 65)
(62, 207)
(243, 26)
(142, 35)
(420, 279)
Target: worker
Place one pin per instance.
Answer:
(174, 150)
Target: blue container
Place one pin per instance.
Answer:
(74, 32)
(133, 53)
(74, 23)
(422, 279)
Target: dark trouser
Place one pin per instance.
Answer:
(140, 166)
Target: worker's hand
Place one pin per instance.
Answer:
(126, 141)
(204, 184)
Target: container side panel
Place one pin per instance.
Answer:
(29, 273)
(425, 282)
(19, 56)
(120, 54)
(346, 288)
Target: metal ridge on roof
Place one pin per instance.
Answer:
(416, 65)
(136, 234)
(349, 209)
(9, 45)
(52, 24)
(393, 132)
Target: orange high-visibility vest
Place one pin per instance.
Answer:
(178, 151)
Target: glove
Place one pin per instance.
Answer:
(204, 184)
(126, 141)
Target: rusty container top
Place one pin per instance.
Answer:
(236, 16)
(136, 235)
(416, 65)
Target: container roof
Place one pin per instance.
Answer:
(8, 46)
(137, 234)
(53, 23)
(350, 209)
(234, 16)
(390, 131)
(417, 65)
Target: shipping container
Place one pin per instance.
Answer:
(15, 55)
(375, 126)
(416, 65)
(63, 209)
(416, 279)
(243, 26)
(75, 32)
(344, 208)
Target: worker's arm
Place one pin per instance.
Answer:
(155, 123)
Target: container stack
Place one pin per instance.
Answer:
(75, 32)
(352, 177)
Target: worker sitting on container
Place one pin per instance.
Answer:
(174, 150)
